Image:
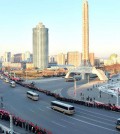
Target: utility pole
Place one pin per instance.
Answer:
(117, 100)
(74, 87)
(88, 78)
(11, 124)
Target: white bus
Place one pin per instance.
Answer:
(65, 108)
(32, 95)
(12, 84)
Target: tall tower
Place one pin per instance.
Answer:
(40, 46)
(86, 68)
(85, 34)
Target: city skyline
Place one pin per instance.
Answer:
(65, 25)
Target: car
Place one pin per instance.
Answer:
(6, 80)
(118, 124)
(1, 77)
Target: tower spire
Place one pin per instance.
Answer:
(85, 33)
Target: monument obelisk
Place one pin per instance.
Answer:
(86, 68)
(85, 34)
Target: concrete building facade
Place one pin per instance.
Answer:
(61, 59)
(73, 58)
(19, 57)
(7, 57)
(40, 46)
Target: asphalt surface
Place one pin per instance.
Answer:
(85, 120)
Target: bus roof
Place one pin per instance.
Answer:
(64, 104)
(32, 92)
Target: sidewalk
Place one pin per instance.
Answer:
(90, 92)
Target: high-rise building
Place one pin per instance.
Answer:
(19, 57)
(40, 46)
(53, 58)
(73, 58)
(27, 56)
(61, 59)
(7, 57)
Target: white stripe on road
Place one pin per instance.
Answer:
(95, 113)
(68, 122)
(48, 108)
(92, 124)
(41, 109)
(94, 116)
(58, 91)
(96, 120)
(57, 124)
(32, 111)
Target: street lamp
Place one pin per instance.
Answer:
(74, 87)
(117, 98)
(11, 124)
(88, 78)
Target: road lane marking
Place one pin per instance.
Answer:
(57, 124)
(92, 124)
(95, 113)
(68, 122)
(41, 109)
(32, 111)
(48, 108)
(96, 120)
(94, 116)
(58, 91)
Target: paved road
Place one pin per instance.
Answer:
(85, 120)
(56, 85)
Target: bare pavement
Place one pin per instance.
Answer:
(90, 92)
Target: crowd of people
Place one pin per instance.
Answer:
(28, 126)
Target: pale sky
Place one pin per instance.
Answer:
(64, 20)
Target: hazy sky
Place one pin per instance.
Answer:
(64, 20)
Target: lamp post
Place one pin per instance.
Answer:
(117, 98)
(88, 78)
(11, 124)
(74, 87)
